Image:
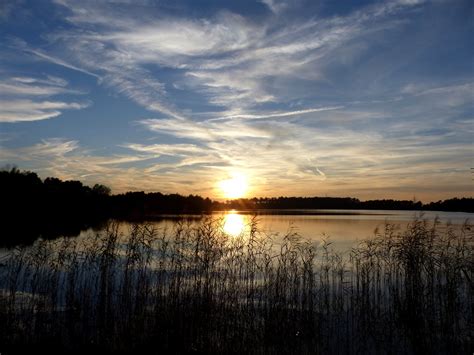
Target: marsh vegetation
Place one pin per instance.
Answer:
(194, 288)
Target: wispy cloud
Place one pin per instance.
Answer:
(29, 86)
(235, 62)
(277, 114)
(59, 61)
(166, 149)
(228, 56)
(27, 110)
(276, 6)
(24, 98)
(303, 101)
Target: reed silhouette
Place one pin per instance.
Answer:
(195, 289)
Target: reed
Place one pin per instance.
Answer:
(193, 288)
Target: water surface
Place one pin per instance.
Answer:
(344, 228)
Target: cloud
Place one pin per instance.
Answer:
(203, 131)
(228, 57)
(27, 87)
(27, 110)
(59, 61)
(54, 147)
(166, 149)
(277, 114)
(300, 102)
(275, 6)
(25, 99)
(167, 39)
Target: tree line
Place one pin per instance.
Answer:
(287, 203)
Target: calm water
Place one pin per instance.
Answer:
(344, 227)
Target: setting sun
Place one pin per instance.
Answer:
(234, 187)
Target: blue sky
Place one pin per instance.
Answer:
(337, 98)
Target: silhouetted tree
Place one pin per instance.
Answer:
(101, 190)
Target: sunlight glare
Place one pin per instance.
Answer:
(234, 187)
(233, 224)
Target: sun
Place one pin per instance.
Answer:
(235, 187)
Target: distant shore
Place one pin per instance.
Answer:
(53, 207)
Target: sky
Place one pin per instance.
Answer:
(368, 99)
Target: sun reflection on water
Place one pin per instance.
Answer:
(234, 224)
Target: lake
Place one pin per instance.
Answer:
(343, 227)
(157, 284)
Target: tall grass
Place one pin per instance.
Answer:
(194, 288)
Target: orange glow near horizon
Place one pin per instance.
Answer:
(235, 187)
